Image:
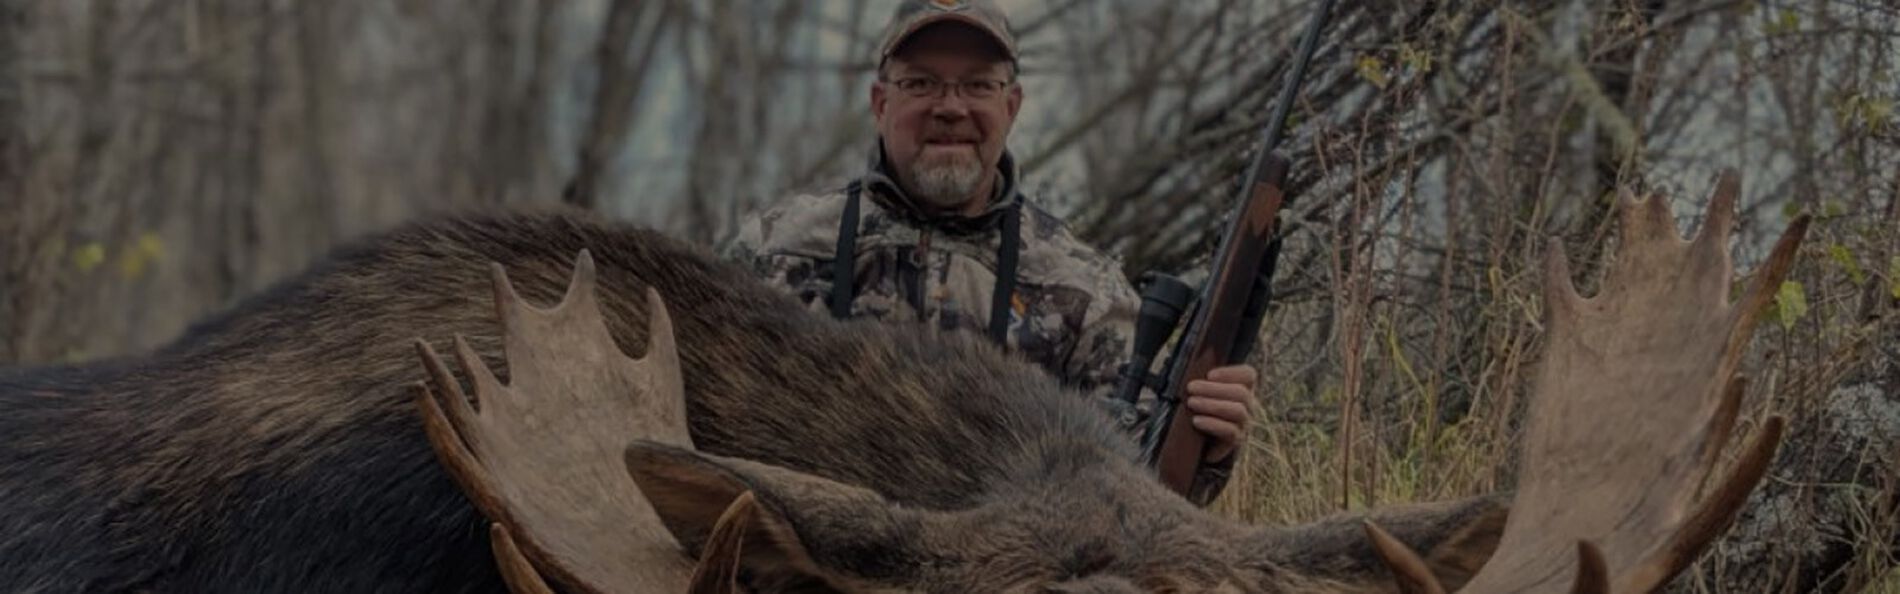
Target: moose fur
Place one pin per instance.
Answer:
(275, 447)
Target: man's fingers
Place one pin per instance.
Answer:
(1222, 435)
(1218, 428)
(1231, 392)
(1234, 374)
(1219, 406)
(1226, 410)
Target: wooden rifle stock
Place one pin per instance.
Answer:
(1231, 302)
(1215, 327)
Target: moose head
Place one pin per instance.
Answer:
(584, 465)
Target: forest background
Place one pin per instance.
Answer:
(161, 159)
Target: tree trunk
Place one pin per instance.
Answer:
(16, 257)
(620, 78)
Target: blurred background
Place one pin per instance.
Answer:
(161, 159)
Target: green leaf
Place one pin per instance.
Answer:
(139, 257)
(1877, 112)
(1372, 69)
(1791, 302)
(1893, 277)
(1788, 23)
(1833, 209)
(1791, 209)
(1415, 59)
(1846, 259)
(89, 256)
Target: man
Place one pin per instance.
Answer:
(936, 232)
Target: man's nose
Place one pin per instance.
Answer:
(950, 106)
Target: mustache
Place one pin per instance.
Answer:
(952, 135)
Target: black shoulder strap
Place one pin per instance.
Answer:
(844, 260)
(1006, 274)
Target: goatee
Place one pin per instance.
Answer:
(946, 185)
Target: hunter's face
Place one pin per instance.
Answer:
(944, 105)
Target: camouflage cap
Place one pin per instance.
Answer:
(913, 15)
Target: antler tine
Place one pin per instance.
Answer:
(1647, 218)
(1775, 269)
(487, 386)
(718, 569)
(579, 295)
(1561, 301)
(1722, 423)
(452, 447)
(506, 300)
(1408, 569)
(1711, 516)
(519, 574)
(1593, 574)
(1721, 212)
(444, 410)
(1635, 397)
(541, 456)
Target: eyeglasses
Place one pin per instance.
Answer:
(925, 86)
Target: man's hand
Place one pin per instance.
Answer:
(1219, 404)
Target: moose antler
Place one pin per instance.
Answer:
(1634, 399)
(542, 457)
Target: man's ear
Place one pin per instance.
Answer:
(1015, 99)
(878, 97)
(774, 523)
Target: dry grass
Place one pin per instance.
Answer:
(1406, 446)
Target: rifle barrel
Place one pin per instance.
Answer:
(1270, 137)
(1216, 328)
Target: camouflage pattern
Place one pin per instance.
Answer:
(1072, 312)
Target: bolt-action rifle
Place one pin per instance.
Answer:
(1228, 308)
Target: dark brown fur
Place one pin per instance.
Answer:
(276, 447)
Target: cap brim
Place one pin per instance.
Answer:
(999, 38)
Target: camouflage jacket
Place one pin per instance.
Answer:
(1072, 310)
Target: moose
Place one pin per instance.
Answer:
(313, 438)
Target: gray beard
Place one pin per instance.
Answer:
(946, 186)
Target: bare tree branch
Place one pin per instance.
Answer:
(621, 76)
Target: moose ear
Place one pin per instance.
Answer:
(1454, 538)
(771, 522)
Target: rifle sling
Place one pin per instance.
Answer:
(1006, 274)
(844, 259)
